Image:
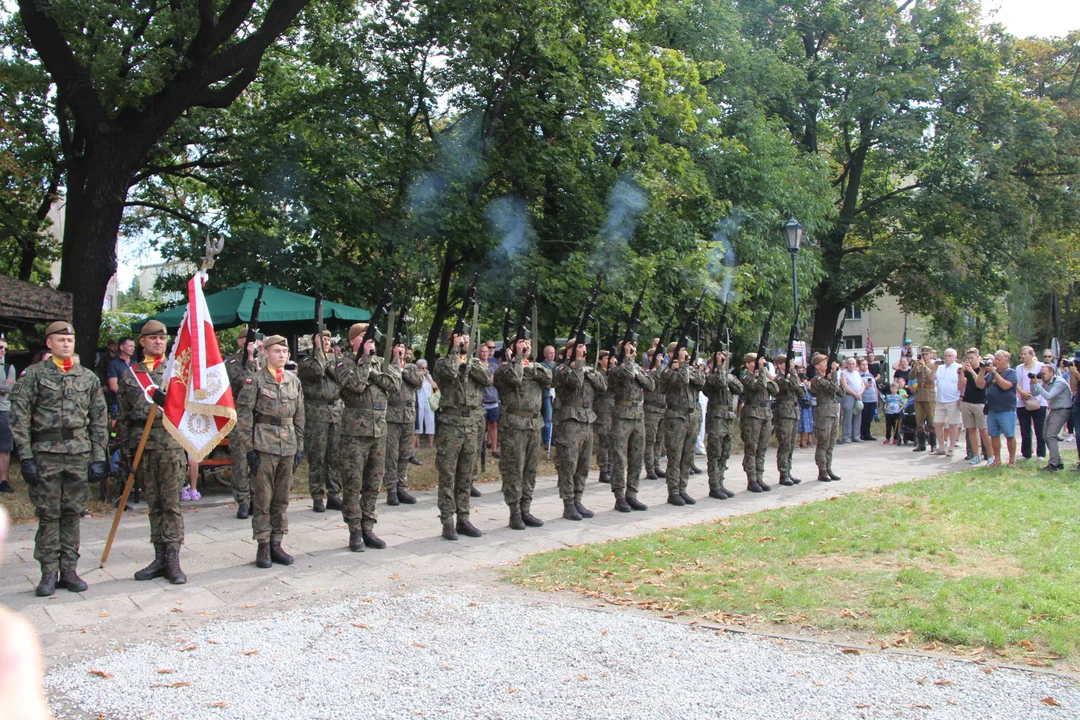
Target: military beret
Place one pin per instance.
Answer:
(275, 340)
(153, 327)
(326, 333)
(357, 329)
(60, 327)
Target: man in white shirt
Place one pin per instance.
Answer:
(947, 410)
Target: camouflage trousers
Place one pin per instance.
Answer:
(654, 439)
(755, 438)
(162, 474)
(574, 458)
(602, 440)
(363, 460)
(787, 434)
(455, 459)
(322, 447)
(825, 436)
(60, 495)
(519, 450)
(628, 455)
(241, 476)
(680, 436)
(270, 487)
(399, 448)
(717, 449)
(479, 445)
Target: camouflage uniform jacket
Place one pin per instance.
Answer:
(719, 387)
(521, 392)
(462, 383)
(681, 387)
(321, 388)
(47, 399)
(605, 399)
(789, 390)
(270, 415)
(925, 375)
(402, 410)
(656, 399)
(577, 384)
(365, 388)
(238, 367)
(628, 381)
(756, 392)
(826, 391)
(133, 411)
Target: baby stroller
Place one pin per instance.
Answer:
(907, 422)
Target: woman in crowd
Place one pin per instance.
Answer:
(425, 415)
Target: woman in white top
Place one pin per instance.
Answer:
(851, 383)
(1036, 413)
(425, 416)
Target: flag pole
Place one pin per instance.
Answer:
(150, 417)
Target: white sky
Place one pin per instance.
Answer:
(1020, 17)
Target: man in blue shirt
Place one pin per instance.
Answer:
(1000, 383)
(116, 369)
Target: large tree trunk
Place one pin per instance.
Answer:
(442, 305)
(827, 311)
(96, 190)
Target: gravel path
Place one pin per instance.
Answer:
(449, 656)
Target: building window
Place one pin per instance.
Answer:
(853, 313)
(853, 342)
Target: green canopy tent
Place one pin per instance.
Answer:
(283, 312)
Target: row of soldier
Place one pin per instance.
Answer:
(355, 411)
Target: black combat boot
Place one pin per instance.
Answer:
(466, 528)
(448, 531)
(717, 493)
(173, 571)
(278, 555)
(404, 497)
(318, 505)
(675, 499)
(687, 499)
(570, 510)
(392, 498)
(650, 474)
(243, 511)
(356, 541)
(530, 519)
(752, 486)
(794, 480)
(920, 438)
(694, 469)
(833, 476)
(473, 492)
(156, 568)
(582, 510)
(5, 487)
(621, 505)
(516, 523)
(933, 441)
(262, 556)
(70, 579)
(372, 540)
(47, 586)
(333, 503)
(725, 490)
(659, 473)
(635, 504)
(765, 487)
(605, 477)
(823, 477)
(786, 480)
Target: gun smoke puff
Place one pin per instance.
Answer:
(457, 161)
(509, 221)
(721, 261)
(625, 203)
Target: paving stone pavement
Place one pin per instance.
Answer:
(223, 581)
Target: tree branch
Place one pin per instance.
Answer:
(167, 210)
(886, 197)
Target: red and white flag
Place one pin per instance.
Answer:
(869, 345)
(199, 410)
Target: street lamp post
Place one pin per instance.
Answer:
(793, 234)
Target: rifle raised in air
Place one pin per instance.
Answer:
(372, 332)
(461, 326)
(685, 340)
(630, 335)
(834, 351)
(253, 323)
(765, 337)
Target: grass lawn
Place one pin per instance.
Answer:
(977, 561)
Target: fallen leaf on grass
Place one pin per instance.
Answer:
(767, 538)
(362, 626)
(171, 685)
(474, 604)
(218, 704)
(165, 672)
(847, 613)
(447, 666)
(819, 683)
(1050, 701)
(213, 642)
(922, 680)
(103, 613)
(419, 645)
(188, 648)
(583, 677)
(850, 651)
(175, 610)
(921, 706)
(251, 652)
(245, 606)
(1028, 644)
(862, 705)
(101, 673)
(511, 689)
(951, 701)
(943, 682)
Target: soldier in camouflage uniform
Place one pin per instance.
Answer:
(163, 465)
(754, 423)
(401, 427)
(241, 364)
(655, 407)
(462, 381)
(827, 390)
(605, 403)
(786, 416)
(576, 384)
(322, 415)
(59, 421)
(720, 385)
(270, 421)
(681, 381)
(628, 381)
(365, 387)
(521, 385)
(484, 355)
